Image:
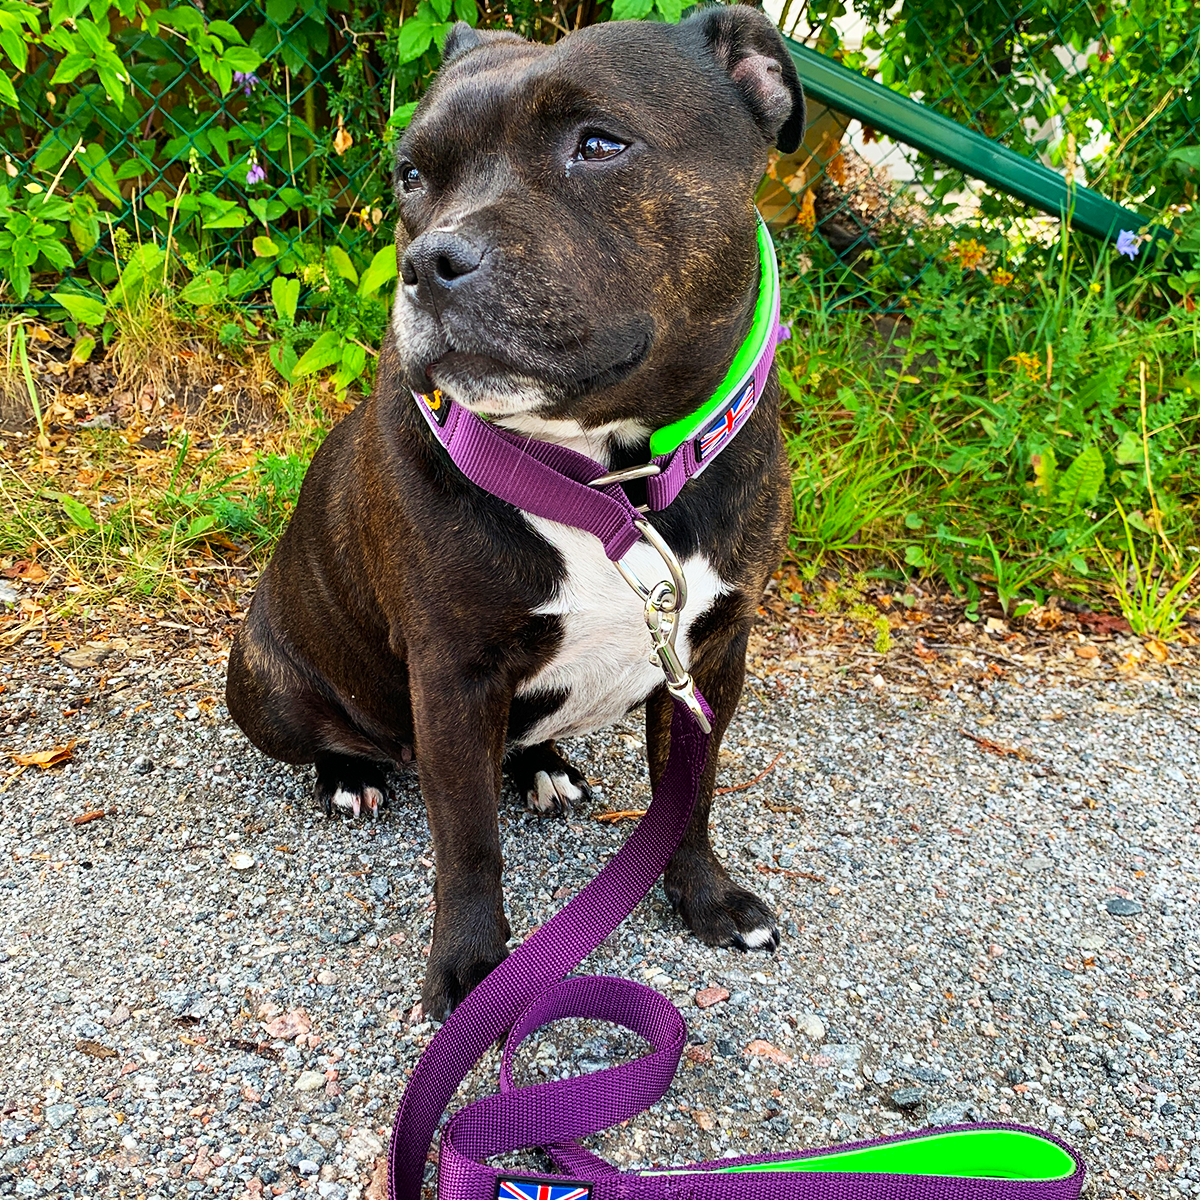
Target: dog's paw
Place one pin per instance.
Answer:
(453, 973)
(351, 785)
(720, 913)
(546, 781)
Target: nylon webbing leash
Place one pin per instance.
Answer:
(530, 988)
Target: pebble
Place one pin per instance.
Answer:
(142, 765)
(1119, 906)
(709, 996)
(811, 1026)
(909, 1097)
(309, 1081)
(58, 1115)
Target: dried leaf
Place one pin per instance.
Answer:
(29, 572)
(45, 758)
(342, 141)
(94, 1049)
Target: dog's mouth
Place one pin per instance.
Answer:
(495, 386)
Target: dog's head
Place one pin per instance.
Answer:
(577, 232)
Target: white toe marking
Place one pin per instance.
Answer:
(764, 935)
(565, 788)
(544, 801)
(372, 801)
(347, 801)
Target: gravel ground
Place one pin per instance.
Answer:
(969, 933)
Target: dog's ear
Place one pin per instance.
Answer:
(462, 39)
(750, 50)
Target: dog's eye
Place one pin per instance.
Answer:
(410, 177)
(595, 146)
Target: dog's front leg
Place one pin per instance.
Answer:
(717, 910)
(460, 725)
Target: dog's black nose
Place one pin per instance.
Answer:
(439, 260)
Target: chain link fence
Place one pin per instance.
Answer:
(257, 172)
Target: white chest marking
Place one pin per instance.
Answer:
(603, 662)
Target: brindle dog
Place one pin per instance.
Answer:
(577, 262)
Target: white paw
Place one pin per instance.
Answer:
(763, 935)
(350, 802)
(354, 802)
(551, 794)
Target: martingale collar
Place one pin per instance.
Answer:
(488, 454)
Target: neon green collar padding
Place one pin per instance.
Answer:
(964, 1154)
(671, 437)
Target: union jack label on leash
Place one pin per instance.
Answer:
(727, 423)
(515, 1187)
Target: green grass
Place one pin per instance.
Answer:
(988, 434)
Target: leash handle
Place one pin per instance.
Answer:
(553, 951)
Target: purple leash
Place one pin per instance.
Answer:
(530, 988)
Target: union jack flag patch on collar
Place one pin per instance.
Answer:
(516, 1187)
(728, 423)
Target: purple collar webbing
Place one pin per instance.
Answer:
(552, 481)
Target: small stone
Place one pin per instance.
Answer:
(142, 765)
(707, 997)
(954, 1113)
(241, 861)
(1092, 941)
(1119, 906)
(325, 1134)
(1038, 863)
(8, 594)
(811, 1026)
(306, 1166)
(907, 1098)
(882, 1075)
(379, 886)
(89, 656)
(326, 977)
(120, 1015)
(57, 1115)
(310, 1081)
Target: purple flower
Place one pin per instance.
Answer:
(256, 174)
(245, 80)
(1127, 243)
(785, 332)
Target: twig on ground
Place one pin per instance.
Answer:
(741, 787)
(997, 748)
(628, 814)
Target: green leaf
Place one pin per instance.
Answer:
(280, 11)
(630, 10)
(467, 10)
(416, 36)
(226, 32)
(206, 288)
(199, 526)
(354, 362)
(1082, 480)
(264, 247)
(99, 173)
(442, 8)
(241, 280)
(914, 556)
(1045, 471)
(79, 513)
(7, 92)
(242, 58)
(670, 10)
(232, 218)
(914, 521)
(1129, 450)
(342, 264)
(324, 352)
(71, 67)
(84, 310)
(283, 359)
(1080, 564)
(285, 294)
(380, 270)
(267, 210)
